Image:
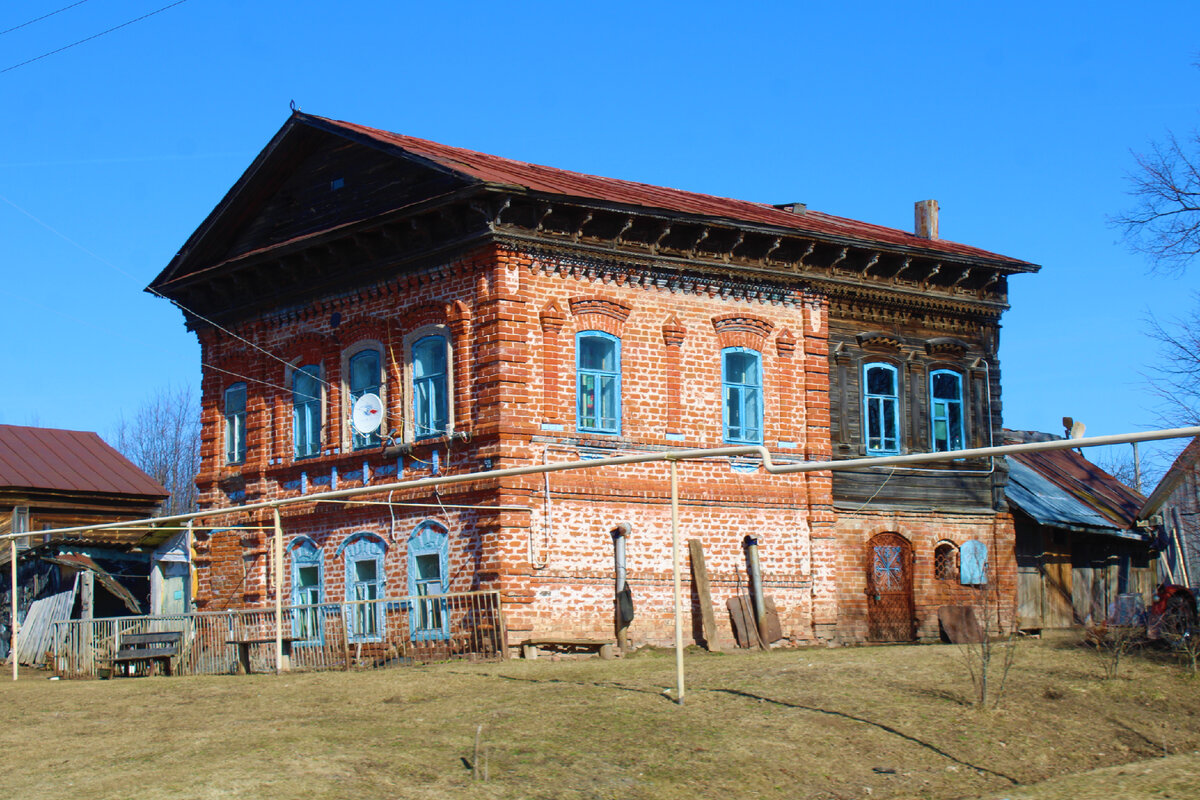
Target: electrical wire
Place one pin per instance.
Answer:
(90, 38)
(42, 17)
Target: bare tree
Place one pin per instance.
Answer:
(1165, 221)
(163, 438)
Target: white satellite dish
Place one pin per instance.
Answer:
(367, 414)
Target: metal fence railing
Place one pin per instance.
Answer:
(343, 635)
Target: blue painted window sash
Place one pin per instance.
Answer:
(428, 565)
(430, 357)
(306, 411)
(597, 382)
(235, 424)
(946, 410)
(365, 377)
(741, 390)
(881, 409)
(364, 563)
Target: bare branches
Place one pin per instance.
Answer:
(1165, 222)
(163, 439)
(1175, 380)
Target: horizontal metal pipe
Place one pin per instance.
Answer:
(642, 458)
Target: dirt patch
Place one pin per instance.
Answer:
(883, 722)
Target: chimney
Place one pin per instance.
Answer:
(926, 214)
(792, 208)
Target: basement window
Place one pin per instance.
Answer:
(945, 562)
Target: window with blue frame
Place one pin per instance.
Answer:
(306, 411)
(235, 424)
(428, 566)
(741, 384)
(881, 408)
(597, 382)
(307, 580)
(365, 377)
(430, 387)
(363, 554)
(946, 410)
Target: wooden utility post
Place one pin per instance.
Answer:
(277, 551)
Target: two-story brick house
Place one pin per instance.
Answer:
(510, 314)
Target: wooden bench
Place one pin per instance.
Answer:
(244, 644)
(603, 647)
(135, 649)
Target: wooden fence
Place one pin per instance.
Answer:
(344, 635)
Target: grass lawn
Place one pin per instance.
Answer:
(879, 722)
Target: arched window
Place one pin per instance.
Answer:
(597, 382)
(235, 423)
(945, 409)
(306, 411)
(945, 562)
(307, 591)
(741, 385)
(430, 387)
(428, 570)
(364, 377)
(881, 408)
(363, 554)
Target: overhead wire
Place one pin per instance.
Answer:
(42, 17)
(89, 38)
(175, 303)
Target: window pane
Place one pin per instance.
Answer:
(429, 357)
(305, 386)
(741, 368)
(306, 577)
(365, 570)
(235, 399)
(946, 386)
(956, 427)
(364, 373)
(429, 567)
(597, 353)
(881, 380)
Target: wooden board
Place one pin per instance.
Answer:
(742, 619)
(712, 640)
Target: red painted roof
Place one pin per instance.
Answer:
(69, 461)
(550, 180)
(1086, 482)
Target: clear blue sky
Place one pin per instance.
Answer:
(1018, 118)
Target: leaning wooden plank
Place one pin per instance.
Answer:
(708, 620)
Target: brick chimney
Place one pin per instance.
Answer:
(926, 215)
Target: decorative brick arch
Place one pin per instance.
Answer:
(599, 314)
(742, 330)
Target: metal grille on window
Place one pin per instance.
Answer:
(945, 562)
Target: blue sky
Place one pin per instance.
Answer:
(1019, 119)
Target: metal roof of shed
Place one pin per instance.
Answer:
(1052, 505)
(68, 461)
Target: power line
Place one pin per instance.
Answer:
(42, 17)
(90, 38)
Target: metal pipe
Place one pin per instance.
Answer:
(670, 455)
(756, 589)
(278, 553)
(678, 582)
(12, 549)
(619, 533)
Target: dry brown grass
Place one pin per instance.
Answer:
(887, 722)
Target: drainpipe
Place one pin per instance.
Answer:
(756, 590)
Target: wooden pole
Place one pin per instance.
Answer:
(277, 551)
(678, 583)
(12, 545)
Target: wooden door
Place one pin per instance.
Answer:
(889, 589)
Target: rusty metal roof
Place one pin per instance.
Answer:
(68, 461)
(1062, 487)
(81, 561)
(551, 180)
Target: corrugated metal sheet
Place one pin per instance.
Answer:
(1087, 483)
(69, 461)
(551, 180)
(1050, 504)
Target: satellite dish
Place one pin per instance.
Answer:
(367, 414)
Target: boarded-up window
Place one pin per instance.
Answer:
(973, 564)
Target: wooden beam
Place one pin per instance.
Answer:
(712, 637)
